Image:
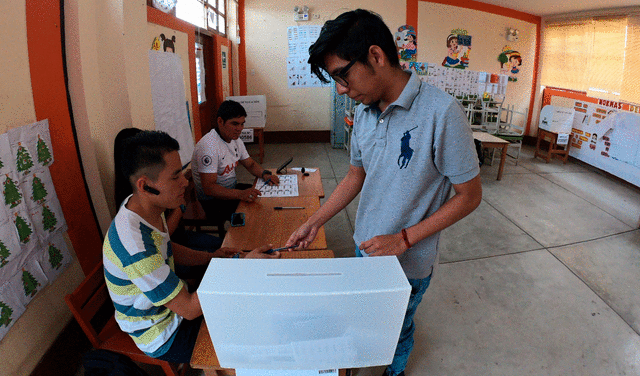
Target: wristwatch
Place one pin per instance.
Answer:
(265, 172)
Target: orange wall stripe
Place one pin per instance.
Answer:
(242, 52)
(50, 101)
(412, 14)
(160, 18)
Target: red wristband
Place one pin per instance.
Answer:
(406, 239)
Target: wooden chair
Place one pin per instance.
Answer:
(195, 217)
(91, 306)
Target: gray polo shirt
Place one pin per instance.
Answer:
(412, 153)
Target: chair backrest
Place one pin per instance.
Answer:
(87, 300)
(511, 127)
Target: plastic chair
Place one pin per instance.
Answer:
(491, 114)
(512, 131)
(91, 306)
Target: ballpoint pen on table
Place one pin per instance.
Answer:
(287, 207)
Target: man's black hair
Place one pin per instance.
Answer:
(144, 153)
(349, 37)
(230, 109)
(122, 184)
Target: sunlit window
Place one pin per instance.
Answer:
(207, 14)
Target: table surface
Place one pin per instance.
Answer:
(265, 225)
(488, 138)
(307, 185)
(204, 356)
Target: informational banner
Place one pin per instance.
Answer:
(299, 74)
(607, 138)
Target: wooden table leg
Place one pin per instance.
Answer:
(502, 159)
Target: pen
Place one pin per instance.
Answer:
(265, 183)
(280, 249)
(287, 207)
(273, 249)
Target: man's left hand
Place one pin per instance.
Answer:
(384, 245)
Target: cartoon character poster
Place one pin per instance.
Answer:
(510, 62)
(407, 45)
(458, 49)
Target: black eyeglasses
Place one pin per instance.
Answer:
(341, 77)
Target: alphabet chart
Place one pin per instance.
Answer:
(288, 187)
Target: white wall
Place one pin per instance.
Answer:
(266, 25)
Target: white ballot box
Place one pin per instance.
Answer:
(304, 313)
(556, 119)
(256, 107)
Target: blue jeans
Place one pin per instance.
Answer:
(405, 342)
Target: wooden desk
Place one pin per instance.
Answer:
(553, 149)
(204, 356)
(307, 185)
(264, 225)
(491, 141)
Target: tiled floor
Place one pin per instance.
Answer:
(540, 280)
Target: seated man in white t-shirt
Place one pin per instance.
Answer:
(214, 165)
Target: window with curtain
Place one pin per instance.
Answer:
(598, 55)
(207, 14)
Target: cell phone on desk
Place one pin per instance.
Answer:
(237, 219)
(284, 165)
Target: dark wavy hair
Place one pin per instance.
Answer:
(349, 37)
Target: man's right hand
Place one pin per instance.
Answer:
(249, 194)
(260, 253)
(303, 236)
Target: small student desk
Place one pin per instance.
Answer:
(491, 141)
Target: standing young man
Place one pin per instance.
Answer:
(152, 303)
(214, 164)
(411, 144)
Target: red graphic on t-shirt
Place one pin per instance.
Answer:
(229, 168)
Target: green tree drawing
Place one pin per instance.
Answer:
(29, 283)
(55, 257)
(39, 193)
(4, 254)
(12, 195)
(24, 231)
(48, 219)
(5, 314)
(44, 155)
(23, 159)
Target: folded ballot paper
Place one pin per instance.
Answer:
(304, 314)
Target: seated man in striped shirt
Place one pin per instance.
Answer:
(152, 304)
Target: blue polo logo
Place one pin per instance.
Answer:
(405, 150)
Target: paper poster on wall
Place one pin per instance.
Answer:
(31, 219)
(458, 49)
(510, 62)
(10, 309)
(168, 98)
(407, 45)
(300, 38)
(56, 257)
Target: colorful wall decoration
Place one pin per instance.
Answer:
(33, 251)
(510, 62)
(407, 45)
(458, 49)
